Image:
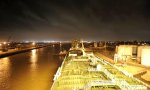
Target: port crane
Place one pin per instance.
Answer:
(5, 46)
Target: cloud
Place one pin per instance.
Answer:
(95, 19)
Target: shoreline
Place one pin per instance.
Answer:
(17, 51)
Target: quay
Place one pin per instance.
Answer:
(19, 50)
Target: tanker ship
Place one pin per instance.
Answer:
(82, 70)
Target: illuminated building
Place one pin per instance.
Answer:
(126, 52)
(144, 55)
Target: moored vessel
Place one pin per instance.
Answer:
(84, 71)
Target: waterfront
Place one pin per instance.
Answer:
(33, 70)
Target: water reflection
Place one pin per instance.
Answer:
(33, 56)
(4, 72)
(33, 59)
(33, 70)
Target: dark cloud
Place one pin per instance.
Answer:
(67, 19)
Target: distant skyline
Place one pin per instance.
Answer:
(39, 20)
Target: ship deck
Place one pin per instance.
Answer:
(79, 73)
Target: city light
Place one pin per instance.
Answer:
(4, 43)
(33, 43)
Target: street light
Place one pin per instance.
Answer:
(4, 43)
(33, 44)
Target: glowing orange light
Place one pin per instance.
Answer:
(4, 42)
(33, 43)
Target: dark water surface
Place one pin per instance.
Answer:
(33, 70)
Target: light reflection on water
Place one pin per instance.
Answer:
(34, 59)
(33, 70)
(4, 72)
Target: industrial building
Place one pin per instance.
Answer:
(143, 55)
(139, 53)
(125, 52)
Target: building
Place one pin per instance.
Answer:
(126, 52)
(95, 44)
(143, 55)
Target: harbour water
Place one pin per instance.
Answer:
(33, 70)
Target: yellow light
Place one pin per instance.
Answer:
(33, 60)
(4, 42)
(34, 56)
(33, 43)
(0, 44)
(5, 69)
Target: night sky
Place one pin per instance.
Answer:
(69, 19)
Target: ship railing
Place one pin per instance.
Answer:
(58, 73)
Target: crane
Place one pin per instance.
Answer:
(5, 47)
